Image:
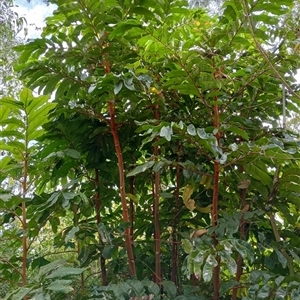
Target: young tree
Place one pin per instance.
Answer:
(166, 149)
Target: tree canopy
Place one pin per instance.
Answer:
(10, 25)
(147, 156)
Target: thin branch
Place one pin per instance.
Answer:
(264, 53)
(9, 263)
(283, 107)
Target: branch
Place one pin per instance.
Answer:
(9, 263)
(264, 53)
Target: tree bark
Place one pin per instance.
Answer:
(114, 131)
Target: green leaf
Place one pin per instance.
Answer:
(42, 296)
(166, 132)
(141, 168)
(158, 166)
(35, 76)
(118, 86)
(63, 87)
(107, 251)
(143, 11)
(191, 130)
(166, 195)
(25, 96)
(199, 258)
(22, 292)
(12, 133)
(182, 297)
(124, 26)
(170, 289)
(264, 292)
(128, 82)
(187, 246)
(243, 248)
(11, 104)
(238, 131)
(223, 158)
(227, 286)
(12, 121)
(37, 102)
(51, 85)
(71, 233)
(258, 174)
(50, 267)
(61, 286)
(230, 262)
(13, 146)
(65, 271)
(281, 258)
(72, 153)
(202, 134)
(24, 56)
(137, 287)
(152, 287)
(209, 265)
(281, 294)
(197, 270)
(39, 262)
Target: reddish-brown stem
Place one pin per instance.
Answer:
(237, 276)
(98, 220)
(24, 242)
(114, 131)
(131, 207)
(215, 200)
(154, 234)
(156, 213)
(175, 225)
(216, 171)
(24, 220)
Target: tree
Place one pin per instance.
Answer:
(165, 148)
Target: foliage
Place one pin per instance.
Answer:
(10, 25)
(189, 108)
(214, 7)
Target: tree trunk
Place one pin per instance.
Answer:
(114, 131)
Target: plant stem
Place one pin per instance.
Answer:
(114, 131)
(98, 220)
(24, 214)
(156, 213)
(175, 253)
(264, 53)
(131, 207)
(215, 201)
